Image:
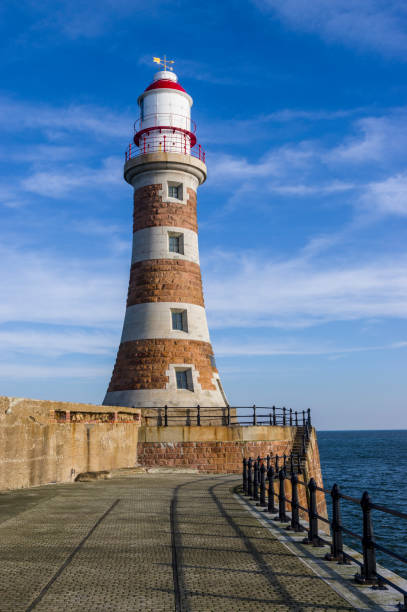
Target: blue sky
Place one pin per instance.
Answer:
(302, 109)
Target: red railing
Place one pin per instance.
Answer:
(165, 145)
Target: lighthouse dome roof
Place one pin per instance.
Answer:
(165, 79)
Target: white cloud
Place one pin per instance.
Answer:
(100, 122)
(277, 162)
(57, 342)
(253, 291)
(388, 196)
(290, 347)
(58, 183)
(22, 371)
(377, 139)
(50, 287)
(366, 24)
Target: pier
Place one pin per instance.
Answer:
(163, 540)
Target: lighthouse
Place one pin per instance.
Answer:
(165, 355)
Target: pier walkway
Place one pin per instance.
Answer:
(149, 542)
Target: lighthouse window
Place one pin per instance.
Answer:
(176, 243)
(175, 191)
(179, 320)
(184, 379)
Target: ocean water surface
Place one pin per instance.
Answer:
(373, 461)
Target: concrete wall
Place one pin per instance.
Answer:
(43, 442)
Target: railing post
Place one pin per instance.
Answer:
(270, 477)
(244, 476)
(274, 416)
(296, 418)
(336, 524)
(291, 464)
(368, 569)
(166, 416)
(303, 418)
(282, 517)
(254, 415)
(270, 419)
(291, 417)
(268, 459)
(198, 415)
(285, 462)
(256, 480)
(309, 416)
(262, 485)
(249, 477)
(228, 407)
(313, 537)
(295, 517)
(276, 466)
(284, 417)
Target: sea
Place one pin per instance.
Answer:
(373, 461)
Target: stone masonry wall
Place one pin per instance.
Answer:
(150, 210)
(209, 456)
(142, 364)
(165, 280)
(43, 442)
(221, 450)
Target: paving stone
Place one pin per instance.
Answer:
(113, 545)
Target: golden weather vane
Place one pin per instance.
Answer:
(163, 62)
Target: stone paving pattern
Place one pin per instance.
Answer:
(147, 542)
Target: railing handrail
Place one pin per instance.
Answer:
(181, 146)
(234, 415)
(369, 573)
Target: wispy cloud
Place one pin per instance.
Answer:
(388, 196)
(91, 19)
(53, 287)
(58, 183)
(198, 71)
(18, 116)
(374, 139)
(255, 291)
(57, 342)
(378, 25)
(21, 371)
(292, 347)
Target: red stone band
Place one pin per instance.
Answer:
(150, 210)
(142, 364)
(165, 280)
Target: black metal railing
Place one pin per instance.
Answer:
(229, 415)
(259, 481)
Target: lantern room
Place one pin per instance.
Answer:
(165, 122)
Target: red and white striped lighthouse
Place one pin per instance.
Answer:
(165, 355)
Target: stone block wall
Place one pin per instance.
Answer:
(220, 449)
(43, 442)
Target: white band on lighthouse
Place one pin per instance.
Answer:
(188, 181)
(156, 243)
(154, 320)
